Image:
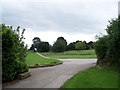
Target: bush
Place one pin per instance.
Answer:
(114, 43)
(21, 67)
(108, 47)
(8, 72)
(101, 49)
(13, 53)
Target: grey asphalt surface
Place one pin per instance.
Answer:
(55, 76)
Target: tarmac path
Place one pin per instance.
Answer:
(55, 76)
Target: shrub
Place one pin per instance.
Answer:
(108, 47)
(21, 67)
(13, 53)
(8, 72)
(114, 43)
(101, 49)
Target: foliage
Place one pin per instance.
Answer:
(60, 45)
(90, 45)
(13, 51)
(80, 46)
(107, 47)
(40, 45)
(114, 41)
(71, 46)
(101, 47)
(32, 47)
(43, 47)
(21, 67)
(36, 42)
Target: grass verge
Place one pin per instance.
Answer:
(94, 77)
(72, 54)
(34, 59)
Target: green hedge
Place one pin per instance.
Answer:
(101, 47)
(21, 67)
(13, 53)
(107, 47)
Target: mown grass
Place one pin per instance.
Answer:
(32, 59)
(72, 54)
(94, 77)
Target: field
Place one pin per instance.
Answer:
(33, 59)
(94, 77)
(72, 54)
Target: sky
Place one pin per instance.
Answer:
(50, 19)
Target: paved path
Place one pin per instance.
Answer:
(54, 77)
(42, 55)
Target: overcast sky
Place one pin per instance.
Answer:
(49, 19)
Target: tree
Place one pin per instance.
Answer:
(43, 47)
(89, 45)
(71, 46)
(40, 45)
(36, 42)
(13, 53)
(32, 47)
(80, 46)
(60, 45)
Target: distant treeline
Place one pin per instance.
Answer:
(60, 45)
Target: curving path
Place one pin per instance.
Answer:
(53, 77)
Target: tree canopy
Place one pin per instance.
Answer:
(71, 46)
(60, 45)
(40, 45)
(80, 45)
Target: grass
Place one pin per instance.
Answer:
(34, 59)
(94, 77)
(72, 54)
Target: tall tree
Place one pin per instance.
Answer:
(43, 47)
(40, 45)
(32, 47)
(71, 46)
(36, 42)
(80, 46)
(60, 45)
(89, 45)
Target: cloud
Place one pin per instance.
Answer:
(71, 17)
(51, 36)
